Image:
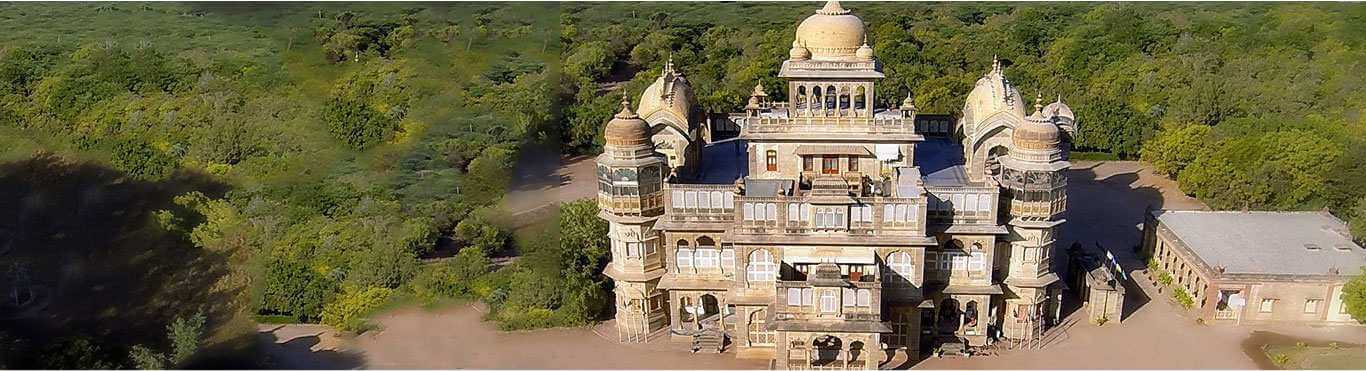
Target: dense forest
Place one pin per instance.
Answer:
(1255, 106)
(182, 172)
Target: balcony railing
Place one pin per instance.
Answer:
(829, 124)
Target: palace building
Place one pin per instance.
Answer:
(826, 232)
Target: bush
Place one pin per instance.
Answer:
(478, 232)
(348, 312)
(452, 278)
(147, 359)
(1183, 298)
(185, 335)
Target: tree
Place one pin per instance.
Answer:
(478, 232)
(1175, 148)
(1354, 296)
(489, 175)
(141, 161)
(186, 334)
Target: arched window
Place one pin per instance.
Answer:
(706, 255)
(758, 335)
(860, 98)
(830, 97)
(761, 267)
(684, 255)
(901, 267)
(801, 97)
(771, 159)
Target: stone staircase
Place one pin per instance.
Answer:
(710, 338)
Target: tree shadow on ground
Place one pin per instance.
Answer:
(1108, 210)
(116, 275)
(298, 354)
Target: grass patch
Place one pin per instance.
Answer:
(1093, 156)
(1326, 357)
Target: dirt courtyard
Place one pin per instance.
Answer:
(1107, 200)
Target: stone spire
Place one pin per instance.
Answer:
(832, 7)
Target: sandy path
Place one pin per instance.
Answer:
(456, 338)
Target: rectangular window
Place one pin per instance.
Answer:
(633, 249)
(730, 199)
(703, 199)
(794, 212)
(684, 258)
(1267, 304)
(1312, 305)
(865, 298)
(975, 262)
(692, 199)
(853, 163)
(794, 296)
(706, 258)
(728, 259)
(749, 211)
(830, 165)
(771, 160)
(828, 301)
(678, 199)
(806, 212)
(806, 296)
(650, 247)
(889, 213)
(772, 211)
(808, 163)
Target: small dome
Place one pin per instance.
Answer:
(626, 128)
(1038, 132)
(908, 104)
(865, 52)
(1058, 109)
(798, 52)
(832, 33)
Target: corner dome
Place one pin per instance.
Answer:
(1038, 132)
(832, 33)
(627, 129)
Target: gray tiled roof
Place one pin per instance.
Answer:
(1267, 242)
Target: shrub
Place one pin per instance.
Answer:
(147, 359)
(1280, 358)
(348, 312)
(1164, 278)
(1183, 297)
(185, 335)
(453, 278)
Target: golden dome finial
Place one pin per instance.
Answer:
(1038, 102)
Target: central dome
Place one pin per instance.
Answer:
(832, 33)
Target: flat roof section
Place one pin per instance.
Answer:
(1260, 242)
(723, 162)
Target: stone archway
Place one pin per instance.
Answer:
(949, 314)
(825, 350)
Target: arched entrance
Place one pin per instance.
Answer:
(947, 323)
(827, 350)
(710, 307)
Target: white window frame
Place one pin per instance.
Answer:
(748, 211)
(761, 267)
(684, 257)
(829, 302)
(704, 258)
(902, 264)
(794, 296)
(1267, 306)
(865, 297)
(850, 298)
(1311, 306)
(807, 294)
(728, 259)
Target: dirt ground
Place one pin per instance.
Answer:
(1107, 201)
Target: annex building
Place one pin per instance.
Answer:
(821, 231)
(1256, 267)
